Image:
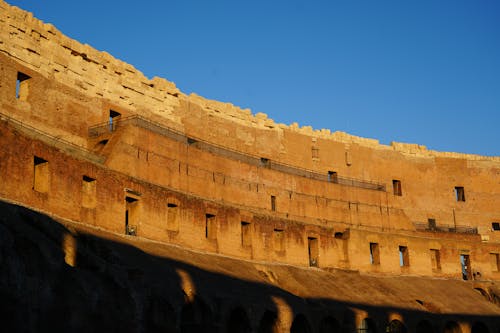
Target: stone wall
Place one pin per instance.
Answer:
(41, 47)
(335, 191)
(183, 214)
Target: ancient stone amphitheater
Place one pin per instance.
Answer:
(128, 206)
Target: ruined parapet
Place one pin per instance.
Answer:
(44, 49)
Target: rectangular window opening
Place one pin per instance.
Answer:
(210, 226)
(333, 177)
(436, 259)
(22, 85)
(403, 256)
(315, 152)
(246, 234)
(114, 116)
(312, 244)
(40, 175)
(279, 240)
(172, 217)
(465, 263)
(265, 162)
(273, 203)
(495, 226)
(459, 193)
(431, 224)
(131, 215)
(89, 191)
(88, 179)
(374, 254)
(396, 187)
(348, 159)
(495, 262)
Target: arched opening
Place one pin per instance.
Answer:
(483, 293)
(196, 317)
(452, 327)
(396, 326)
(268, 322)
(238, 322)
(367, 326)
(300, 325)
(424, 327)
(479, 327)
(329, 325)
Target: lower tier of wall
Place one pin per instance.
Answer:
(62, 276)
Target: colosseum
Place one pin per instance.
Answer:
(127, 205)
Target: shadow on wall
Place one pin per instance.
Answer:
(55, 279)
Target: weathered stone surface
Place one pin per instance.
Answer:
(301, 223)
(124, 284)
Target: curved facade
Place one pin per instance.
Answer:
(87, 138)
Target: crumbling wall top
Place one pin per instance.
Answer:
(44, 49)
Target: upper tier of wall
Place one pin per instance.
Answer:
(43, 48)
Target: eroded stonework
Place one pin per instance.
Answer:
(314, 231)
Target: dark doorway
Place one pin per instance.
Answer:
(238, 322)
(396, 326)
(452, 327)
(300, 325)
(268, 323)
(329, 325)
(479, 327)
(424, 327)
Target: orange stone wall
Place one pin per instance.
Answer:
(73, 87)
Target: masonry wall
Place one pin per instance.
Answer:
(69, 87)
(428, 182)
(338, 247)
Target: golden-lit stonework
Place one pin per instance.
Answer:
(145, 210)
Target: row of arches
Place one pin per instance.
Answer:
(367, 325)
(197, 316)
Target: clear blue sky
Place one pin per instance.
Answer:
(421, 71)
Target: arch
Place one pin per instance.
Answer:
(452, 327)
(329, 325)
(424, 327)
(367, 326)
(483, 293)
(268, 323)
(395, 326)
(196, 317)
(238, 322)
(300, 325)
(479, 327)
